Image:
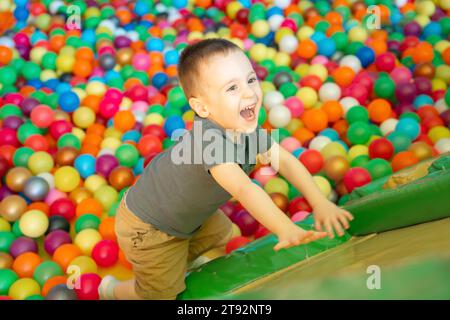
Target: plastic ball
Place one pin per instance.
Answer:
(67, 179)
(356, 177)
(65, 253)
(335, 167)
(381, 148)
(279, 116)
(36, 188)
(246, 223)
(399, 140)
(69, 101)
(105, 253)
(408, 126)
(378, 168)
(24, 288)
(319, 142)
(25, 264)
(403, 160)
(55, 239)
(277, 185)
(312, 160)
(87, 239)
(89, 283)
(359, 132)
(33, 223)
(16, 178)
(272, 99)
(236, 243)
(61, 292)
(315, 119)
(323, 185)
(329, 91)
(45, 271)
(22, 245)
(42, 116)
(7, 279)
(12, 207)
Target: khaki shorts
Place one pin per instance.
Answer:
(160, 260)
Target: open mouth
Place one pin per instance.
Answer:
(249, 112)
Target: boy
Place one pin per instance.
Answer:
(171, 215)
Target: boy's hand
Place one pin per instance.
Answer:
(294, 236)
(329, 216)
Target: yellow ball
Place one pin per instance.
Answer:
(67, 51)
(258, 52)
(333, 149)
(83, 117)
(67, 179)
(422, 20)
(81, 265)
(36, 54)
(112, 132)
(282, 59)
(267, 86)
(233, 8)
(271, 53)
(281, 33)
(107, 196)
(40, 162)
(33, 223)
(426, 8)
(94, 182)
(80, 93)
(444, 4)
(443, 73)
(86, 240)
(47, 75)
(293, 125)
(236, 230)
(323, 185)
(24, 288)
(153, 118)
(196, 35)
(64, 63)
(125, 104)
(308, 96)
(302, 69)
(188, 115)
(277, 185)
(4, 225)
(95, 88)
(110, 143)
(260, 28)
(438, 84)
(437, 133)
(304, 32)
(358, 150)
(440, 46)
(318, 70)
(79, 133)
(91, 12)
(357, 34)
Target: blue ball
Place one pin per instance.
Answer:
(408, 126)
(318, 36)
(159, 80)
(21, 13)
(273, 11)
(131, 135)
(366, 56)
(69, 101)
(179, 3)
(173, 123)
(89, 36)
(63, 87)
(330, 133)
(327, 47)
(171, 57)
(297, 152)
(155, 44)
(141, 8)
(51, 84)
(35, 83)
(422, 100)
(85, 165)
(432, 28)
(139, 166)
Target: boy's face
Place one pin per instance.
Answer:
(231, 93)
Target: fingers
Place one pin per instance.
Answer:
(343, 220)
(318, 225)
(281, 245)
(329, 229)
(337, 226)
(348, 215)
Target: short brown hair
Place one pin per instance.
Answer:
(193, 55)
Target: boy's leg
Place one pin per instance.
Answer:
(159, 260)
(215, 233)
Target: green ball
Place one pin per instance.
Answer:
(8, 75)
(262, 116)
(357, 113)
(399, 140)
(293, 193)
(172, 112)
(446, 98)
(69, 140)
(16, 229)
(17, 64)
(283, 133)
(384, 87)
(340, 39)
(176, 97)
(10, 110)
(359, 132)
(6, 239)
(323, 7)
(269, 65)
(87, 221)
(26, 130)
(127, 155)
(322, 26)
(378, 168)
(288, 89)
(21, 156)
(7, 278)
(411, 115)
(31, 71)
(376, 131)
(156, 108)
(46, 270)
(142, 76)
(167, 143)
(353, 47)
(445, 26)
(35, 297)
(113, 210)
(360, 161)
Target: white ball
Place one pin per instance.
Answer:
(388, 126)
(329, 91)
(7, 42)
(441, 106)
(443, 145)
(273, 98)
(319, 142)
(107, 24)
(133, 35)
(288, 44)
(401, 3)
(160, 8)
(351, 62)
(139, 115)
(105, 151)
(283, 4)
(347, 103)
(279, 116)
(54, 6)
(333, 197)
(120, 32)
(49, 178)
(275, 22)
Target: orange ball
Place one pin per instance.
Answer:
(89, 205)
(403, 160)
(306, 49)
(107, 229)
(5, 55)
(333, 109)
(25, 264)
(379, 110)
(423, 53)
(315, 119)
(303, 135)
(82, 68)
(343, 76)
(123, 260)
(50, 283)
(65, 254)
(446, 56)
(124, 120)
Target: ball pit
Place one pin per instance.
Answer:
(83, 111)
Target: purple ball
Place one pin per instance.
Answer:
(28, 105)
(246, 223)
(393, 46)
(423, 85)
(403, 107)
(446, 117)
(5, 192)
(105, 164)
(405, 92)
(438, 14)
(24, 51)
(12, 122)
(122, 42)
(412, 28)
(138, 127)
(55, 239)
(228, 208)
(22, 245)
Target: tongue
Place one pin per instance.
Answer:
(247, 113)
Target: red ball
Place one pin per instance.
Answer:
(311, 81)
(9, 137)
(261, 232)
(299, 204)
(381, 148)
(105, 253)
(312, 160)
(246, 223)
(228, 208)
(64, 208)
(149, 144)
(4, 166)
(236, 243)
(87, 286)
(355, 178)
(37, 142)
(154, 130)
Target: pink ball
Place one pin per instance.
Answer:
(299, 216)
(401, 74)
(139, 106)
(295, 106)
(152, 91)
(355, 178)
(105, 253)
(53, 195)
(42, 116)
(357, 91)
(141, 61)
(246, 223)
(88, 286)
(385, 62)
(248, 43)
(290, 144)
(264, 174)
(228, 208)
(319, 60)
(97, 72)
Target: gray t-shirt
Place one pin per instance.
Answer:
(176, 192)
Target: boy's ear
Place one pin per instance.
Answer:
(199, 107)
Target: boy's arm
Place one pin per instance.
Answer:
(231, 177)
(326, 213)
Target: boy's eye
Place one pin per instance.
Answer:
(252, 80)
(232, 88)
